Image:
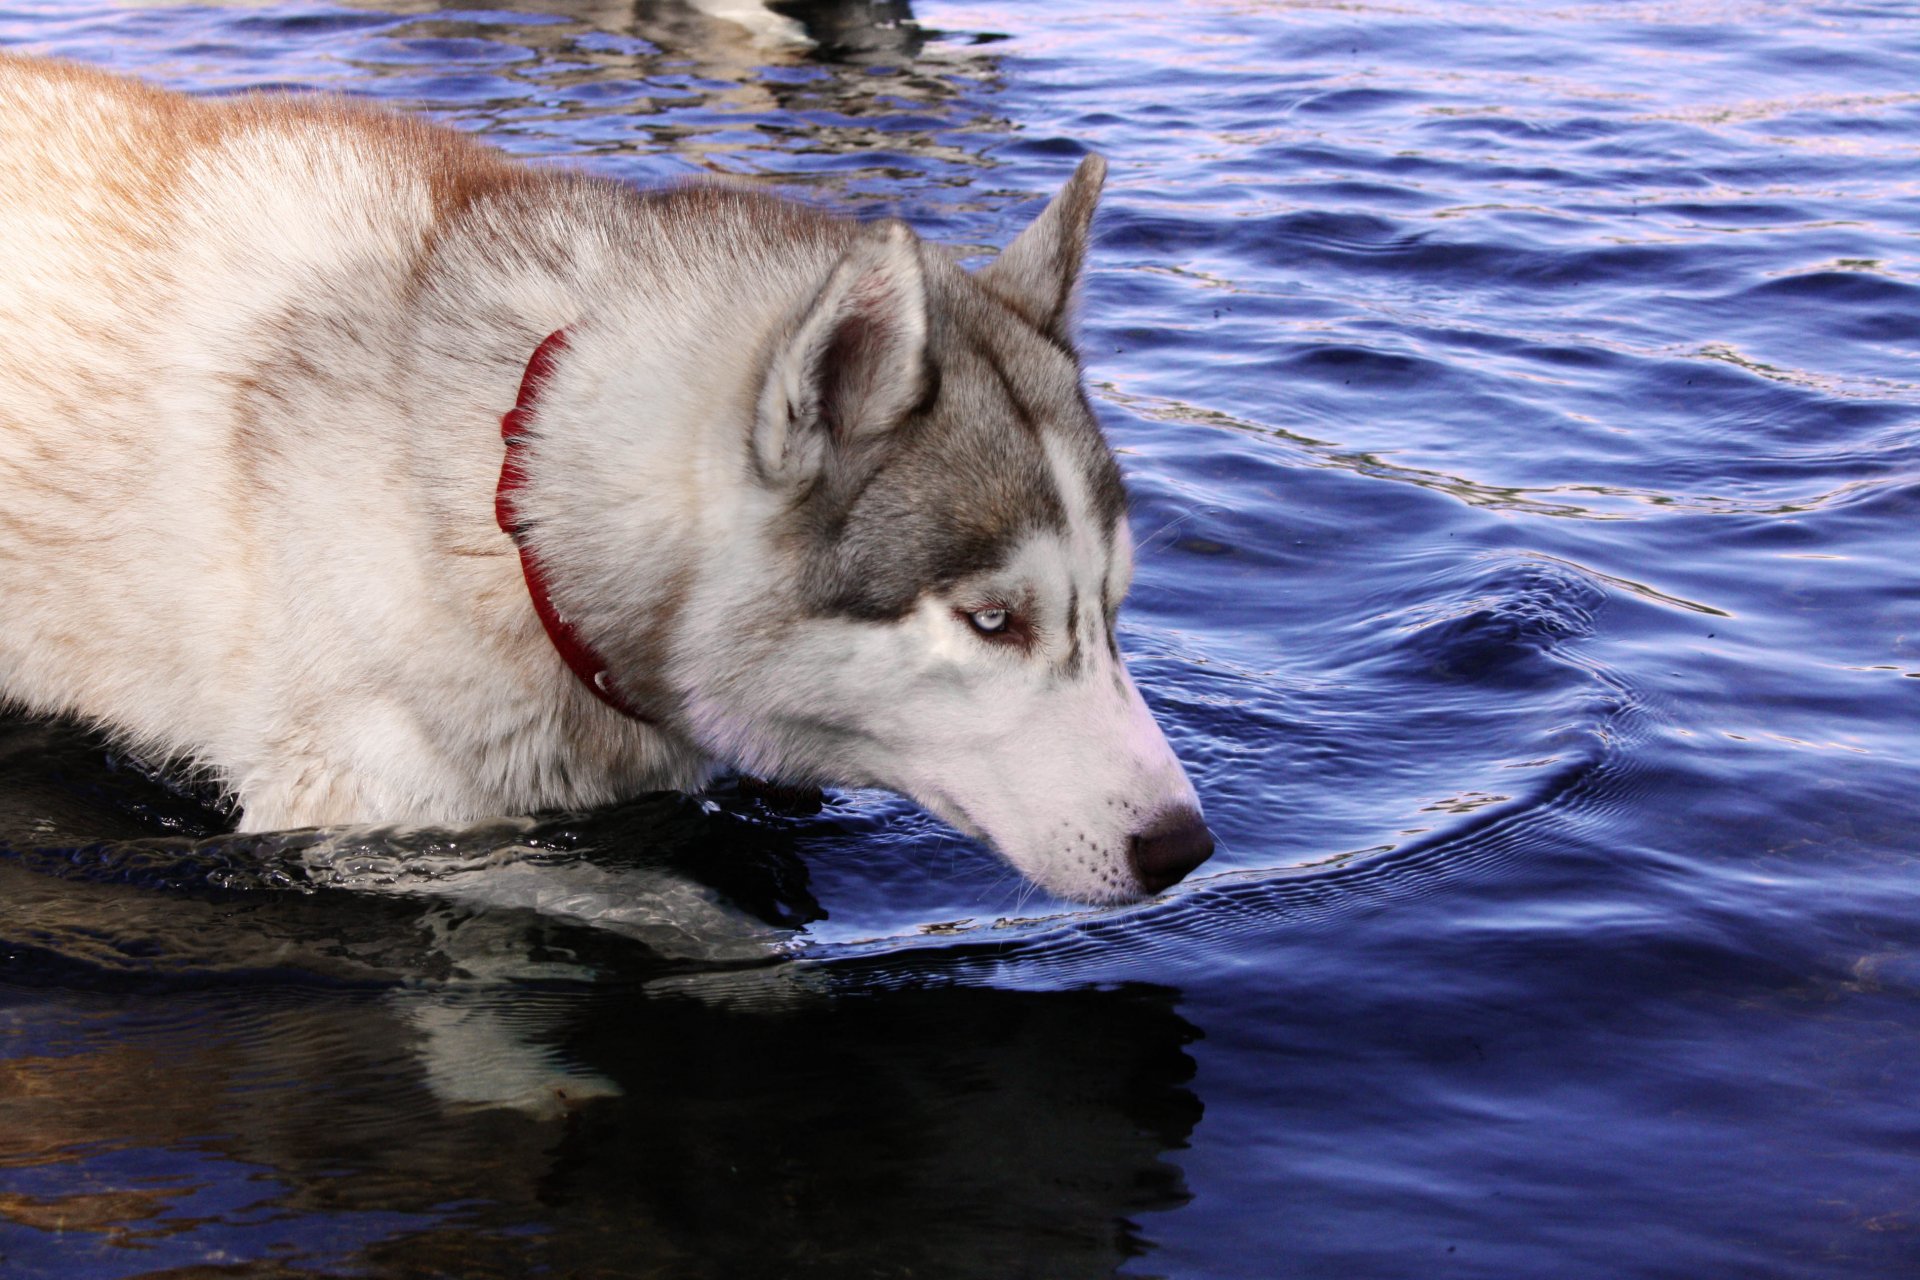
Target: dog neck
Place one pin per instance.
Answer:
(580, 656)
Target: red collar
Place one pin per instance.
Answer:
(579, 656)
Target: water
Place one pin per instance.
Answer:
(1520, 409)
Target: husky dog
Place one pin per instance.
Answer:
(780, 491)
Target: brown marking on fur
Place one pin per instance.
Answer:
(1015, 313)
(30, 531)
(1025, 416)
(455, 168)
(168, 131)
(1097, 466)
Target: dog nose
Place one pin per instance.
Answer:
(1176, 843)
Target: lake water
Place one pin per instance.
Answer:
(1522, 411)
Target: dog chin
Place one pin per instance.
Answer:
(1087, 878)
(1097, 885)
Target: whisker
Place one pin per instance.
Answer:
(1027, 889)
(1147, 543)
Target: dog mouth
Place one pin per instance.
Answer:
(1102, 892)
(943, 806)
(1078, 862)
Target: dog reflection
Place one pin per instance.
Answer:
(185, 1069)
(922, 1131)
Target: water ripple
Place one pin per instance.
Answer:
(1519, 407)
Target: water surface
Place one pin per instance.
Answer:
(1519, 403)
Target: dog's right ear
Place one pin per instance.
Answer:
(853, 366)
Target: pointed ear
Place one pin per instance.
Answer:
(855, 363)
(1037, 273)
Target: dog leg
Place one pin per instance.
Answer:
(375, 760)
(304, 791)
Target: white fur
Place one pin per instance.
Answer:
(251, 375)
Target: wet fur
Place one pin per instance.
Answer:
(253, 355)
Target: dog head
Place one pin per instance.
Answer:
(950, 534)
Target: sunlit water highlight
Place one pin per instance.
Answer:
(1520, 410)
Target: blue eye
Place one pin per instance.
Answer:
(988, 622)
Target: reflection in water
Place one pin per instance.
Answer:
(714, 34)
(922, 1131)
(850, 97)
(206, 1046)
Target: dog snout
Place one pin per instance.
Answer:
(1163, 854)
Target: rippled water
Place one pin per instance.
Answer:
(1520, 406)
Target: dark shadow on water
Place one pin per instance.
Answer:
(922, 1132)
(210, 1053)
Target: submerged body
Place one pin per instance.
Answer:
(830, 509)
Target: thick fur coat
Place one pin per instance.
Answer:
(830, 508)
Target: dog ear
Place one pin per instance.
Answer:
(854, 365)
(1037, 273)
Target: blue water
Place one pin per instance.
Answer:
(1520, 407)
